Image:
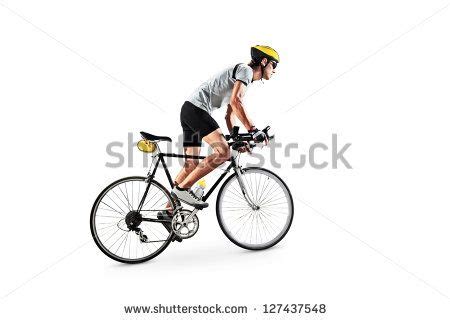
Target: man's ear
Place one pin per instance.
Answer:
(264, 62)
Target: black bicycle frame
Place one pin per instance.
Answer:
(169, 177)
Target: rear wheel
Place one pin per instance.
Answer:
(121, 231)
(266, 224)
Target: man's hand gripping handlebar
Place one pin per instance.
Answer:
(246, 141)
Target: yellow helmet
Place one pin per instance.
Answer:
(259, 52)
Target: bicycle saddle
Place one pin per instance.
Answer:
(152, 137)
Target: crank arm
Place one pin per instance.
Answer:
(189, 217)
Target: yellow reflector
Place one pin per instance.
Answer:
(202, 183)
(146, 146)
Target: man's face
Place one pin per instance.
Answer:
(268, 71)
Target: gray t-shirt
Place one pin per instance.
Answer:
(216, 91)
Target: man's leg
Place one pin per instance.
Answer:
(189, 164)
(221, 154)
(188, 167)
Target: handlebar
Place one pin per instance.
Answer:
(240, 139)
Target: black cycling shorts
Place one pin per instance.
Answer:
(196, 124)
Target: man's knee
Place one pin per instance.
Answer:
(222, 151)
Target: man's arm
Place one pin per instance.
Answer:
(230, 118)
(237, 107)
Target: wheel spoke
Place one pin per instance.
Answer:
(110, 231)
(109, 197)
(126, 205)
(126, 197)
(260, 227)
(121, 213)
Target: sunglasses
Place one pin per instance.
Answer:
(274, 63)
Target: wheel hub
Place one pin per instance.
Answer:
(133, 219)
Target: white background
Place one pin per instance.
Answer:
(370, 242)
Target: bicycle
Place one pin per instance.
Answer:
(254, 207)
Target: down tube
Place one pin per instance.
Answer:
(206, 196)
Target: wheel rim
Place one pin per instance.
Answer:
(109, 223)
(255, 228)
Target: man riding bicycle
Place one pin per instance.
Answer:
(225, 88)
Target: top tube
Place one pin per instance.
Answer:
(186, 156)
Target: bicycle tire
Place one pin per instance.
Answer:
(95, 235)
(220, 217)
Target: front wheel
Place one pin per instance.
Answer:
(260, 227)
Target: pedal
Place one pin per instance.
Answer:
(201, 206)
(177, 239)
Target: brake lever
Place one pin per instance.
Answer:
(266, 130)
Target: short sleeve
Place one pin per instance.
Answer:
(244, 74)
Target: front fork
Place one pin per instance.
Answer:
(239, 173)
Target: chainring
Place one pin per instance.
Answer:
(182, 227)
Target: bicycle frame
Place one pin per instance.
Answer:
(160, 159)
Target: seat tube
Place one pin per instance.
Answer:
(148, 180)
